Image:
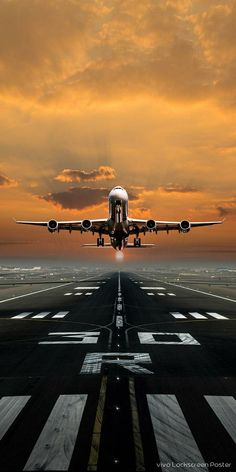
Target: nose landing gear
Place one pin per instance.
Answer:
(137, 242)
(100, 242)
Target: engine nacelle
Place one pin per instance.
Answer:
(52, 226)
(86, 225)
(151, 225)
(184, 226)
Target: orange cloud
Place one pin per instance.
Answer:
(178, 188)
(77, 198)
(73, 175)
(7, 182)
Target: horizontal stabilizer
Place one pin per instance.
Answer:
(96, 246)
(129, 246)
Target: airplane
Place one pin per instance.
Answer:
(118, 226)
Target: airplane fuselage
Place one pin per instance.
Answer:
(118, 227)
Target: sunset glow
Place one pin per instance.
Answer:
(99, 93)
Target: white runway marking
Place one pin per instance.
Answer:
(22, 315)
(153, 288)
(119, 321)
(200, 291)
(88, 293)
(225, 409)
(10, 407)
(216, 315)
(82, 337)
(197, 315)
(33, 293)
(171, 294)
(68, 293)
(61, 314)
(86, 288)
(93, 362)
(161, 294)
(43, 314)
(174, 440)
(184, 339)
(150, 293)
(79, 293)
(55, 445)
(177, 315)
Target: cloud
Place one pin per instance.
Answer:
(177, 188)
(77, 198)
(72, 175)
(228, 209)
(7, 182)
(71, 51)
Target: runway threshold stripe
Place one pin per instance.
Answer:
(10, 407)
(138, 447)
(177, 315)
(43, 314)
(86, 288)
(216, 315)
(55, 445)
(197, 315)
(174, 440)
(21, 315)
(61, 314)
(96, 436)
(225, 409)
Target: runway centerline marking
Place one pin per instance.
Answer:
(34, 293)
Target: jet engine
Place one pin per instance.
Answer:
(151, 225)
(86, 225)
(52, 226)
(184, 226)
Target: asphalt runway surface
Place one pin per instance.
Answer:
(114, 371)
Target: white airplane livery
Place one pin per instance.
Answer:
(118, 226)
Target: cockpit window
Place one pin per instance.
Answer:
(120, 188)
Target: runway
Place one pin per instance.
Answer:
(118, 371)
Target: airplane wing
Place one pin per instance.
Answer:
(95, 226)
(183, 226)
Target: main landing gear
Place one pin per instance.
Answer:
(137, 242)
(100, 242)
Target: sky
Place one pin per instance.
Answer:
(98, 93)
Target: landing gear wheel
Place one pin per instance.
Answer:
(137, 242)
(100, 242)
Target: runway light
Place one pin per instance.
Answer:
(119, 255)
